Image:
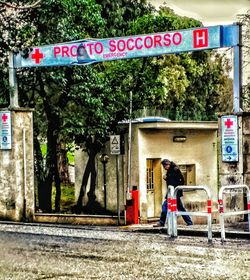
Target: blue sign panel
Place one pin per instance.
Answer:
(89, 51)
(229, 139)
(5, 132)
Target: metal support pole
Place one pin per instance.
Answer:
(170, 213)
(174, 217)
(209, 221)
(237, 75)
(129, 146)
(222, 226)
(105, 185)
(123, 189)
(118, 190)
(13, 83)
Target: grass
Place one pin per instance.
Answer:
(67, 190)
(67, 198)
(70, 153)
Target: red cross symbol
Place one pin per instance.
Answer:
(37, 56)
(228, 123)
(4, 118)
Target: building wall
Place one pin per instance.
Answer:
(200, 149)
(17, 170)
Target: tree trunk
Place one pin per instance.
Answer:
(58, 190)
(63, 167)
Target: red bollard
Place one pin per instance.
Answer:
(132, 208)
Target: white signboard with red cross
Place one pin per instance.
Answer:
(229, 139)
(5, 133)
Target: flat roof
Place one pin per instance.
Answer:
(201, 125)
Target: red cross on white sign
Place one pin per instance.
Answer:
(228, 123)
(4, 118)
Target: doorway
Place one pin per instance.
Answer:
(154, 188)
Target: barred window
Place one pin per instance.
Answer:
(188, 172)
(150, 175)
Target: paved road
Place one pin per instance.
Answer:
(50, 252)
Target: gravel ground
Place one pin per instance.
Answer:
(50, 252)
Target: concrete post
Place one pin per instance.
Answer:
(246, 147)
(17, 199)
(237, 173)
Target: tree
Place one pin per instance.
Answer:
(193, 84)
(84, 104)
(14, 26)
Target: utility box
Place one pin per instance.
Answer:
(132, 207)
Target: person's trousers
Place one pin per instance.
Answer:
(180, 207)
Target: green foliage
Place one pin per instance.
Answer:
(84, 104)
(70, 153)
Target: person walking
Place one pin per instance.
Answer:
(174, 178)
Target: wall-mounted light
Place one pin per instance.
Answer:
(179, 139)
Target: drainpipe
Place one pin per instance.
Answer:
(24, 174)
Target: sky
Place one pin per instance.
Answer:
(210, 12)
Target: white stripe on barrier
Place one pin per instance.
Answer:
(236, 213)
(204, 214)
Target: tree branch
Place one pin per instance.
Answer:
(12, 6)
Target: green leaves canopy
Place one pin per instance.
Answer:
(91, 100)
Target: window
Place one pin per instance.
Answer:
(150, 175)
(188, 172)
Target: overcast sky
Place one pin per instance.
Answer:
(210, 12)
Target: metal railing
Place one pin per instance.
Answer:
(221, 207)
(172, 224)
(169, 213)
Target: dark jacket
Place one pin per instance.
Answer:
(174, 177)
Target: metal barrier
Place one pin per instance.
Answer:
(174, 213)
(169, 215)
(221, 207)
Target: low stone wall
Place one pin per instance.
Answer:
(77, 219)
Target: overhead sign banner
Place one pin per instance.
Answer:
(89, 51)
(5, 132)
(229, 139)
(115, 145)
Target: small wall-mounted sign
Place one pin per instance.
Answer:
(229, 139)
(5, 130)
(115, 145)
